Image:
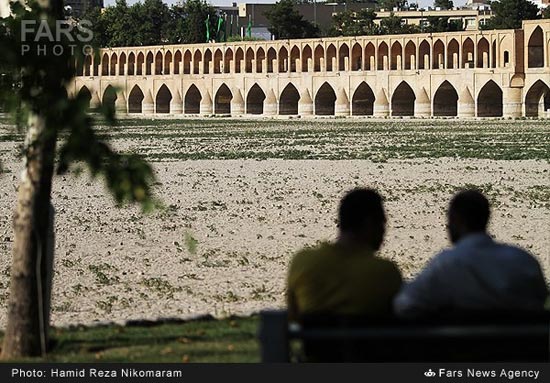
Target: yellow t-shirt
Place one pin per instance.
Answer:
(341, 280)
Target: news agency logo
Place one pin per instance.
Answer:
(40, 38)
(429, 374)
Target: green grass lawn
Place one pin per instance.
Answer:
(224, 340)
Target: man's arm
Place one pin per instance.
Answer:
(427, 293)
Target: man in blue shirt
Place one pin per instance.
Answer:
(477, 273)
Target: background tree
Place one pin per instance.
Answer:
(37, 96)
(391, 4)
(444, 4)
(508, 14)
(358, 23)
(186, 25)
(285, 22)
(395, 25)
(442, 24)
(545, 13)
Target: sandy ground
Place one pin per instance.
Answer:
(224, 241)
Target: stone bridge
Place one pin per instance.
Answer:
(498, 73)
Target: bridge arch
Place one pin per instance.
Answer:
(197, 58)
(438, 55)
(294, 57)
(135, 100)
(248, 60)
(162, 100)
(255, 100)
(85, 94)
(288, 101)
(148, 63)
(227, 59)
(331, 58)
(271, 59)
(105, 65)
(158, 63)
(140, 62)
(307, 55)
(483, 53)
(356, 61)
(468, 53)
(325, 100)
(319, 56)
(402, 101)
(178, 59)
(260, 58)
(445, 100)
(489, 100)
(168, 59)
(362, 102)
(109, 98)
(410, 55)
(222, 100)
(121, 64)
(192, 100)
(370, 56)
(424, 55)
(87, 66)
(207, 60)
(535, 49)
(453, 50)
(383, 56)
(537, 99)
(187, 59)
(283, 60)
(396, 59)
(343, 53)
(239, 57)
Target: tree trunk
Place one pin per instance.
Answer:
(26, 331)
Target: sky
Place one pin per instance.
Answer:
(423, 3)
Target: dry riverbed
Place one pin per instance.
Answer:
(230, 224)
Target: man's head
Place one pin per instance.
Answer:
(362, 218)
(468, 213)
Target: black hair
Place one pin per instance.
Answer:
(358, 205)
(473, 209)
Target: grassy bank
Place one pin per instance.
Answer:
(225, 340)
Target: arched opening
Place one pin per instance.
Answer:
(483, 53)
(410, 56)
(158, 63)
(363, 101)
(260, 58)
(239, 57)
(535, 49)
(331, 58)
(255, 100)
(162, 101)
(148, 63)
(105, 65)
(131, 64)
(294, 57)
(87, 65)
(325, 100)
(402, 101)
(383, 56)
(445, 100)
(227, 60)
(307, 55)
(288, 102)
(424, 55)
(192, 101)
(112, 70)
(370, 57)
(439, 55)
(396, 52)
(489, 100)
(343, 54)
(135, 100)
(271, 59)
(85, 94)
(222, 101)
(207, 61)
(167, 62)
(109, 98)
(356, 57)
(187, 58)
(178, 58)
(197, 58)
(468, 53)
(248, 60)
(494, 54)
(537, 99)
(140, 63)
(218, 58)
(452, 55)
(319, 56)
(283, 60)
(121, 64)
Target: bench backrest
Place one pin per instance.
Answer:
(502, 337)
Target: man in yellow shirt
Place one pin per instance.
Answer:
(345, 277)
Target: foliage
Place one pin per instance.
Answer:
(508, 14)
(151, 23)
(545, 13)
(442, 24)
(285, 22)
(354, 23)
(37, 85)
(395, 25)
(444, 4)
(391, 4)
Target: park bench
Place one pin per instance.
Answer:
(465, 337)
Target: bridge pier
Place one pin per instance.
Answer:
(512, 105)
